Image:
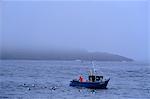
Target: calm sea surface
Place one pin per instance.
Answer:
(24, 79)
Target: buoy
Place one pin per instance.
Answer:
(53, 88)
(33, 85)
(29, 88)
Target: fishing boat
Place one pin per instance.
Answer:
(94, 81)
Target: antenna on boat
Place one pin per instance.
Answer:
(93, 67)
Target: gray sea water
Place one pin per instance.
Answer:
(24, 79)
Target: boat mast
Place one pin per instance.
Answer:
(93, 68)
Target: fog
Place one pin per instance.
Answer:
(119, 27)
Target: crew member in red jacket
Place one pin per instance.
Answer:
(81, 78)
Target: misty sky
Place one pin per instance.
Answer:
(119, 27)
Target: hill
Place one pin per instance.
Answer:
(63, 55)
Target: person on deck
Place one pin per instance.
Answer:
(81, 78)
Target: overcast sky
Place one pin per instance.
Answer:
(119, 27)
